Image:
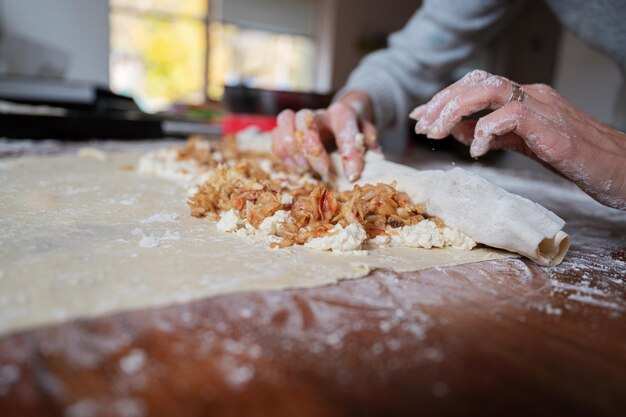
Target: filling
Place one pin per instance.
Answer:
(252, 194)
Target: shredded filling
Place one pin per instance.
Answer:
(314, 207)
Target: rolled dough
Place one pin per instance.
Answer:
(471, 204)
(83, 237)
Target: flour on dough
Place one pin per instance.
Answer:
(83, 239)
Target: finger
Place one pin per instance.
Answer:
(287, 118)
(464, 133)
(291, 145)
(350, 141)
(542, 92)
(280, 131)
(424, 113)
(285, 128)
(466, 103)
(370, 134)
(474, 80)
(418, 112)
(501, 121)
(477, 91)
(324, 128)
(277, 145)
(534, 135)
(279, 150)
(310, 142)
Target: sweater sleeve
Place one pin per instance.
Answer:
(420, 58)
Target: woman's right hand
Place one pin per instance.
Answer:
(300, 138)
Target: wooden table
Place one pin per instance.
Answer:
(501, 338)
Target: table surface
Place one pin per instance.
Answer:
(497, 338)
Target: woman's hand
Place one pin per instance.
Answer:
(542, 125)
(300, 138)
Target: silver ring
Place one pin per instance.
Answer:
(517, 92)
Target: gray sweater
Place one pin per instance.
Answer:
(443, 33)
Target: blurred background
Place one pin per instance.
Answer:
(120, 67)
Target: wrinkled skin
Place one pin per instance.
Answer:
(543, 126)
(300, 138)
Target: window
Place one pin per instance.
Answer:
(165, 51)
(259, 59)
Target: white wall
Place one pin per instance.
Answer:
(80, 27)
(587, 78)
(357, 18)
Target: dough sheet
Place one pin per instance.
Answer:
(88, 237)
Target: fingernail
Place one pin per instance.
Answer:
(417, 112)
(351, 169)
(434, 132)
(370, 139)
(479, 147)
(421, 127)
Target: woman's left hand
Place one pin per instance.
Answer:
(538, 123)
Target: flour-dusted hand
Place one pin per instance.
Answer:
(300, 138)
(540, 124)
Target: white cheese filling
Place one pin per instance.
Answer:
(424, 234)
(340, 239)
(229, 222)
(164, 163)
(267, 231)
(272, 225)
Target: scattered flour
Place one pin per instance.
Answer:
(9, 375)
(122, 407)
(152, 241)
(133, 362)
(92, 153)
(161, 218)
(164, 163)
(587, 299)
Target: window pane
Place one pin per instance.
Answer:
(157, 60)
(196, 8)
(259, 59)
